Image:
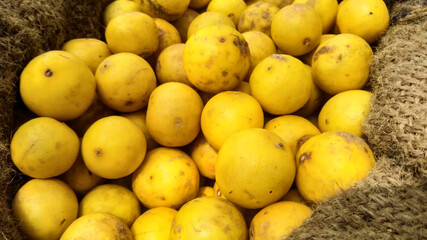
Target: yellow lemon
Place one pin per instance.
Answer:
(260, 46)
(255, 167)
(133, 32)
(170, 66)
(244, 88)
(168, 35)
(345, 111)
(367, 19)
(97, 226)
(216, 58)
(43, 147)
(170, 10)
(113, 199)
(183, 22)
(206, 19)
(342, 63)
(294, 196)
(117, 8)
(92, 51)
(205, 191)
(281, 84)
(67, 84)
(231, 8)
(139, 119)
(113, 147)
(96, 110)
(308, 58)
(173, 114)
(208, 218)
(278, 220)
(125, 82)
(227, 113)
(278, 3)
(168, 177)
(257, 17)
(44, 208)
(204, 155)
(197, 4)
(292, 129)
(80, 178)
(327, 10)
(330, 163)
(296, 29)
(153, 224)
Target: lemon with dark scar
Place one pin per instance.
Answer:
(169, 10)
(57, 84)
(113, 147)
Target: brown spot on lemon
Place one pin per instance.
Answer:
(321, 51)
(98, 152)
(222, 39)
(48, 72)
(304, 157)
(306, 41)
(302, 140)
(279, 146)
(224, 73)
(278, 57)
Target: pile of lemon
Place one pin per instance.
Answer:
(199, 119)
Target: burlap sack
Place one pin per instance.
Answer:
(389, 204)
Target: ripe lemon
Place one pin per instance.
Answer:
(308, 58)
(255, 167)
(117, 8)
(170, 66)
(113, 147)
(170, 10)
(345, 111)
(278, 220)
(206, 19)
(260, 46)
(204, 155)
(330, 163)
(183, 22)
(44, 147)
(67, 84)
(326, 9)
(244, 88)
(278, 3)
(216, 58)
(139, 119)
(342, 63)
(92, 51)
(168, 177)
(227, 113)
(205, 191)
(113, 199)
(80, 178)
(294, 196)
(125, 82)
(97, 226)
(257, 17)
(296, 29)
(367, 19)
(231, 8)
(173, 114)
(44, 208)
(208, 218)
(154, 223)
(293, 129)
(281, 84)
(168, 35)
(133, 32)
(197, 4)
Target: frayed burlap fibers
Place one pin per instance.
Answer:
(389, 204)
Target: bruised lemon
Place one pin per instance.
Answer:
(208, 218)
(345, 111)
(278, 220)
(44, 208)
(113, 199)
(260, 46)
(113, 147)
(278, 3)
(330, 163)
(168, 35)
(133, 32)
(67, 84)
(227, 113)
(308, 58)
(154, 223)
(169, 10)
(257, 17)
(173, 114)
(125, 82)
(265, 166)
(231, 8)
(168, 177)
(216, 58)
(97, 226)
(342, 63)
(206, 19)
(44, 147)
(281, 84)
(296, 29)
(367, 19)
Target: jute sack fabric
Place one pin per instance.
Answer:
(389, 204)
